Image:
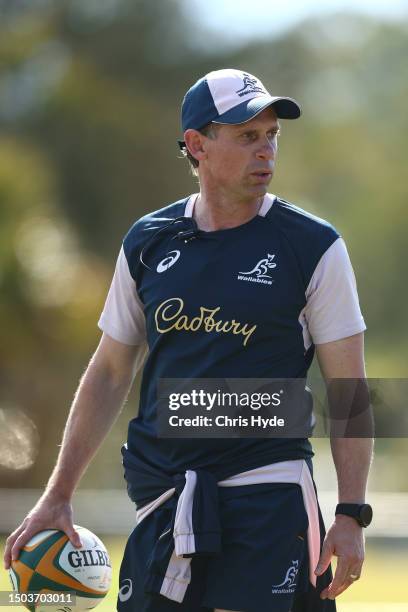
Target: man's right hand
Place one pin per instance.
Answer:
(52, 511)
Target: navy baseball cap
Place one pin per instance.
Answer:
(231, 96)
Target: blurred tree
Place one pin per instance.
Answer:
(89, 116)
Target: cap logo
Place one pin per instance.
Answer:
(231, 96)
(251, 85)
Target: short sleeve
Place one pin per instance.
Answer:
(122, 317)
(332, 308)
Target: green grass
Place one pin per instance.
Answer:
(382, 588)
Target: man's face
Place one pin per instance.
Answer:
(240, 160)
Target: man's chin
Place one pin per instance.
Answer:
(259, 190)
(260, 187)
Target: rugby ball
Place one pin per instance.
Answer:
(50, 564)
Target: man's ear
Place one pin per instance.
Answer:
(194, 143)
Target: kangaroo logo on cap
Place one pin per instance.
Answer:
(251, 85)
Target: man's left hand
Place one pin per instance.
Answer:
(345, 539)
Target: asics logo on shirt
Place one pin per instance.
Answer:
(169, 315)
(125, 591)
(168, 261)
(259, 274)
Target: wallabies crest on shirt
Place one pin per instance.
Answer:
(262, 267)
(289, 583)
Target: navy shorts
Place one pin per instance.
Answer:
(263, 566)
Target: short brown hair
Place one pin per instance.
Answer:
(209, 131)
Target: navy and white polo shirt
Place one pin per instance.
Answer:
(245, 302)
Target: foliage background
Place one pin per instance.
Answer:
(89, 116)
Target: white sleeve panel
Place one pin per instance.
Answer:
(122, 317)
(332, 309)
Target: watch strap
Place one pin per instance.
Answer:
(355, 511)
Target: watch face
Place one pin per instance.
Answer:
(366, 514)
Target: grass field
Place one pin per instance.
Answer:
(383, 587)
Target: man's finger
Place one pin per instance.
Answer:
(325, 558)
(345, 586)
(9, 544)
(22, 539)
(18, 545)
(341, 574)
(74, 537)
(335, 589)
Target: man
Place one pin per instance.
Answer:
(230, 282)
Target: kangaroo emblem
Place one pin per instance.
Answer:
(262, 267)
(290, 576)
(250, 85)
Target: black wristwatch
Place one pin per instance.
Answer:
(362, 513)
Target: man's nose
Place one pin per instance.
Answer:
(267, 150)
